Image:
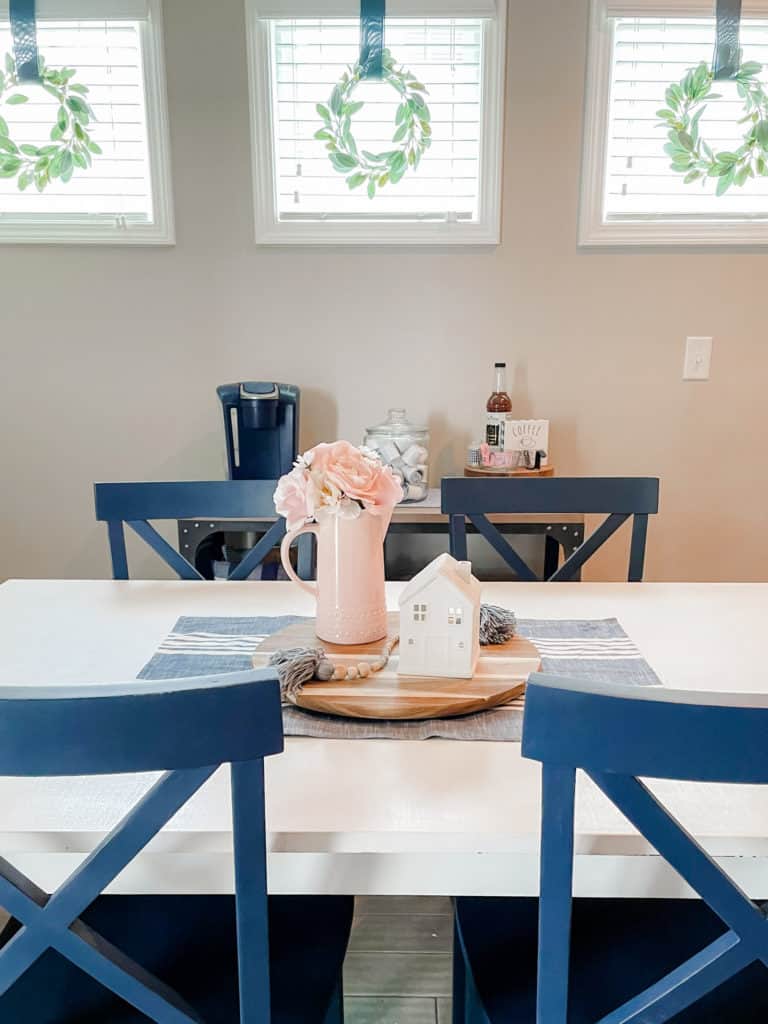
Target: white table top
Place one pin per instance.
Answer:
(379, 816)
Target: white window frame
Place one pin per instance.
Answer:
(594, 229)
(103, 229)
(270, 230)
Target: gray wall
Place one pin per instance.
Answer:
(110, 356)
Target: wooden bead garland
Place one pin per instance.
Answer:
(299, 665)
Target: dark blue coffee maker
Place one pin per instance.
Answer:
(261, 423)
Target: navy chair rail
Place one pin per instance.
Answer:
(618, 498)
(135, 504)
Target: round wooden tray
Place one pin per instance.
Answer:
(505, 471)
(499, 679)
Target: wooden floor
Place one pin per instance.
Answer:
(398, 968)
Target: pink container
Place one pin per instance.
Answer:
(351, 603)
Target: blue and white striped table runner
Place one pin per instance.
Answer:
(580, 648)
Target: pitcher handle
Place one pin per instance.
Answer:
(285, 558)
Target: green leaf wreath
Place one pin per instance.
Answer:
(413, 130)
(690, 153)
(70, 144)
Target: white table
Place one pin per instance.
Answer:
(379, 816)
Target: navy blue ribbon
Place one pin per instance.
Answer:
(372, 38)
(24, 31)
(727, 58)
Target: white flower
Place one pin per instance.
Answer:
(370, 453)
(349, 508)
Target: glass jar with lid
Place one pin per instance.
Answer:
(405, 447)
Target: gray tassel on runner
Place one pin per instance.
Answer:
(298, 665)
(497, 625)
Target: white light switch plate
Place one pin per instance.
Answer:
(698, 357)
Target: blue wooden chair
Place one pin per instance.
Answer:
(134, 504)
(618, 498)
(693, 961)
(56, 965)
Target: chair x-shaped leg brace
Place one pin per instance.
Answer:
(53, 922)
(747, 938)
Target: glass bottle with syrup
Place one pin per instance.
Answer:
(498, 408)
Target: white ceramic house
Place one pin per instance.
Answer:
(440, 621)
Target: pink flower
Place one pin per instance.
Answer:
(337, 479)
(294, 498)
(359, 475)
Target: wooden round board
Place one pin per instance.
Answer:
(499, 678)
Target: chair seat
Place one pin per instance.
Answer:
(619, 947)
(190, 943)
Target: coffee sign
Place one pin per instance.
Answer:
(527, 436)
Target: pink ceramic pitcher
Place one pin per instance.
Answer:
(351, 603)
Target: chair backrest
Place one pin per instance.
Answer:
(618, 498)
(135, 504)
(617, 734)
(186, 728)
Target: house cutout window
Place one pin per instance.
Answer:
(299, 50)
(419, 613)
(455, 616)
(116, 49)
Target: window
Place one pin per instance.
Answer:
(419, 613)
(115, 47)
(455, 48)
(630, 194)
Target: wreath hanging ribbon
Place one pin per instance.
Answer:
(413, 128)
(687, 99)
(727, 56)
(24, 32)
(372, 38)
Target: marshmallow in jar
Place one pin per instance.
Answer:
(404, 447)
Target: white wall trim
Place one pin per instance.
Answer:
(594, 228)
(158, 127)
(486, 230)
(83, 10)
(677, 8)
(107, 229)
(395, 8)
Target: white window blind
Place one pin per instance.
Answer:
(648, 54)
(309, 57)
(124, 196)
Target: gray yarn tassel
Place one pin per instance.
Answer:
(497, 625)
(298, 665)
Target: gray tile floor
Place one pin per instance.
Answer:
(398, 968)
